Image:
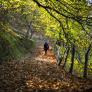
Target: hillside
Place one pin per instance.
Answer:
(13, 46)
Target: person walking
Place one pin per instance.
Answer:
(46, 47)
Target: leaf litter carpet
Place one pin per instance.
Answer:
(39, 73)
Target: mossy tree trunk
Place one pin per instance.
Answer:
(86, 62)
(67, 53)
(72, 59)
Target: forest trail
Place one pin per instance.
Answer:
(39, 73)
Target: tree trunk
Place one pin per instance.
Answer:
(67, 53)
(86, 62)
(58, 55)
(27, 33)
(60, 60)
(72, 59)
(79, 57)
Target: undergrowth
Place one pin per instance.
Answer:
(13, 46)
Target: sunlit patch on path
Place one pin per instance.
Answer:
(50, 57)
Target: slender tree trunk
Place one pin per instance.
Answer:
(27, 33)
(31, 29)
(58, 55)
(86, 62)
(72, 59)
(79, 57)
(67, 53)
(60, 60)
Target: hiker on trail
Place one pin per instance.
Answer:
(46, 47)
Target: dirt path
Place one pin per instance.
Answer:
(38, 73)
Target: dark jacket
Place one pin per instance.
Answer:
(46, 46)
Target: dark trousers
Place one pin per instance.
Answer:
(45, 51)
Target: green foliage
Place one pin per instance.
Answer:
(12, 46)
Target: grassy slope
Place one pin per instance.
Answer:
(13, 46)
